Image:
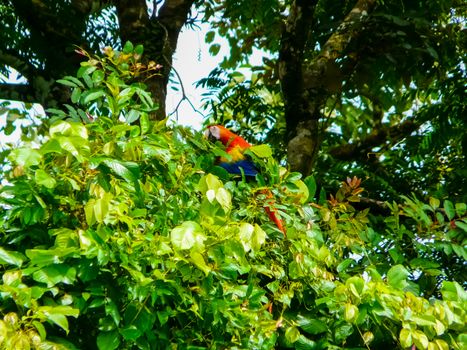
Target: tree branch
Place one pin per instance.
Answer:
(379, 137)
(17, 92)
(9, 59)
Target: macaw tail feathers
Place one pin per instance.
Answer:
(272, 212)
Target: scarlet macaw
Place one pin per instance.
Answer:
(235, 147)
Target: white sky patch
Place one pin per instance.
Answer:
(192, 61)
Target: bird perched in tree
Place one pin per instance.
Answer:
(239, 163)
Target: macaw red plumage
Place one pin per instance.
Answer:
(238, 163)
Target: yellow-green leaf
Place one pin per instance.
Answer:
(261, 151)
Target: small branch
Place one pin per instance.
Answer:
(184, 97)
(376, 206)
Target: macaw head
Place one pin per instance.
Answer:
(227, 137)
(219, 133)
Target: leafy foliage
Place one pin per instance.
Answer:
(119, 232)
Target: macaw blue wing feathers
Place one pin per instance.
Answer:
(249, 169)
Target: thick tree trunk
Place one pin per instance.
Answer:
(52, 36)
(159, 35)
(306, 85)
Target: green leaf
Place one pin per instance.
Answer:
(76, 95)
(397, 276)
(132, 116)
(261, 151)
(11, 257)
(128, 171)
(144, 123)
(139, 49)
(57, 315)
(66, 128)
(89, 212)
(452, 291)
(12, 278)
(310, 182)
(91, 96)
(97, 76)
(350, 312)
(449, 209)
(461, 225)
(200, 263)
(128, 47)
(224, 198)
(460, 251)
(44, 257)
(342, 267)
(25, 156)
(84, 71)
(245, 235)
(51, 275)
(420, 339)
(108, 340)
(292, 334)
(342, 332)
(405, 338)
(214, 49)
(258, 238)
(112, 309)
(67, 82)
(209, 182)
(209, 37)
(312, 326)
(40, 329)
(101, 207)
(187, 235)
(59, 320)
(461, 208)
(424, 320)
(130, 332)
(44, 179)
(145, 98)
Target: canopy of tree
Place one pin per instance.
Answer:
(119, 232)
